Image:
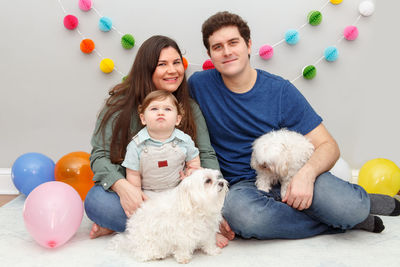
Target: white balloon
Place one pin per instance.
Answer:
(342, 170)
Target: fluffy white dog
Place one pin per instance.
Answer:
(277, 156)
(178, 221)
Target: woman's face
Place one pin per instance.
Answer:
(169, 72)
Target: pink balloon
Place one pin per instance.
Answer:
(52, 213)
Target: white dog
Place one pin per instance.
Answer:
(178, 221)
(277, 156)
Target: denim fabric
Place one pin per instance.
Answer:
(337, 206)
(104, 208)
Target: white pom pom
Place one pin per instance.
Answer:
(366, 8)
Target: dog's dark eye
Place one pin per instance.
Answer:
(208, 181)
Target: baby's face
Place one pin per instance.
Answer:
(161, 115)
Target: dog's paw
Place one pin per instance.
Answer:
(182, 259)
(212, 251)
(263, 184)
(264, 188)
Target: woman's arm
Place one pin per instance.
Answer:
(105, 172)
(207, 154)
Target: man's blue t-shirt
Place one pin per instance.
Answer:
(234, 120)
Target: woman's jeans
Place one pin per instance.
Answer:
(337, 205)
(104, 208)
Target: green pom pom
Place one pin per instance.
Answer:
(124, 78)
(314, 18)
(127, 41)
(309, 72)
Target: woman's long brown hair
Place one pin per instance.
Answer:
(124, 99)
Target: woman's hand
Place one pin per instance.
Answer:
(131, 197)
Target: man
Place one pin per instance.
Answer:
(240, 104)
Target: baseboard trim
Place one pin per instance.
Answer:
(6, 185)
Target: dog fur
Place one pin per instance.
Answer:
(178, 221)
(277, 156)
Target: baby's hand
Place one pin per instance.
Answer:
(188, 171)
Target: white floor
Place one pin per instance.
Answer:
(354, 248)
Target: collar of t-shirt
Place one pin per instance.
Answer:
(143, 135)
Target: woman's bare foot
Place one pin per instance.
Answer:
(99, 231)
(222, 241)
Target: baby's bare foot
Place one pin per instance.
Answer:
(98, 231)
(222, 241)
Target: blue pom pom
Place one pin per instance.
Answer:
(105, 24)
(331, 53)
(292, 37)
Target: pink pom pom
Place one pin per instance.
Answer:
(85, 5)
(208, 65)
(350, 33)
(70, 22)
(266, 51)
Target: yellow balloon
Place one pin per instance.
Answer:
(107, 65)
(336, 2)
(380, 176)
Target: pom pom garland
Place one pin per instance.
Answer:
(336, 2)
(87, 46)
(105, 24)
(350, 33)
(266, 51)
(309, 72)
(107, 65)
(185, 63)
(127, 41)
(314, 18)
(366, 8)
(208, 65)
(331, 53)
(292, 37)
(85, 5)
(70, 22)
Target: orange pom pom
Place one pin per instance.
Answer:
(185, 62)
(87, 46)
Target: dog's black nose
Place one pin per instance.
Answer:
(221, 184)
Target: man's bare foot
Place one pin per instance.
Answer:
(99, 231)
(222, 241)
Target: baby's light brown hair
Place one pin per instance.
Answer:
(160, 95)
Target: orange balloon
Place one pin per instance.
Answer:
(74, 169)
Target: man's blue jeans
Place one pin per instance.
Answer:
(104, 208)
(337, 205)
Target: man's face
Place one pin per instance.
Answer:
(229, 51)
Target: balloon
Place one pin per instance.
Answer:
(52, 213)
(30, 170)
(342, 170)
(74, 169)
(380, 176)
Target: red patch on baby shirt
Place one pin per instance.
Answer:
(163, 163)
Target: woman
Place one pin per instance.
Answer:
(157, 66)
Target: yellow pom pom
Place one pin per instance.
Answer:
(336, 2)
(107, 65)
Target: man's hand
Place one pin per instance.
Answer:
(300, 191)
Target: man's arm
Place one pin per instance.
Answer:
(300, 191)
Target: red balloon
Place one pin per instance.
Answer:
(74, 169)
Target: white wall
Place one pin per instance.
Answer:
(51, 91)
